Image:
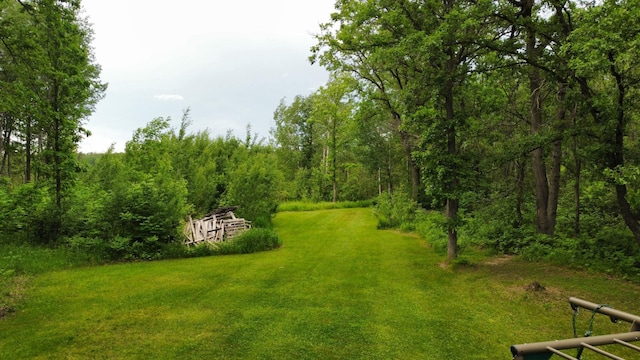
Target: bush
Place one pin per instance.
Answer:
(396, 210)
(27, 213)
(430, 225)
(612, 251)
(253, 187)
(251, 241)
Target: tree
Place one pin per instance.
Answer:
(296, 137)
(603, 54)
(417, 55)
(361, 40)
(332, 111)
(50, 84)
(254, 182)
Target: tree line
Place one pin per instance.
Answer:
(495, 101)
(49, 85)
(517, 118)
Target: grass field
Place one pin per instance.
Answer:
(337, 289)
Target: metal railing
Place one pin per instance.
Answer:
(545, 350)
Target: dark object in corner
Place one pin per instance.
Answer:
(535, 287)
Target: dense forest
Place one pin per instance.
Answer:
(516, 120)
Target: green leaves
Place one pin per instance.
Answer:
(254, 182)
(607, 35)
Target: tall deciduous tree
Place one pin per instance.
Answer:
(362, 39)
(297, 142)
(52, 84)
(603, 52)
(417, 55)
(333, 111)
(49, 67)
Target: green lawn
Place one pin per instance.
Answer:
(337, 289)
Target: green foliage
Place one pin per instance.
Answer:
(395, 211)
(630, 176)
(325, 205)
(200, 250)
(151, 209)
(435, 103)
(495, 226)
(132, 205)
(611, 251)
(430, 226)
(317, 148)
(253, 186)
(27, 214)
(251, 241)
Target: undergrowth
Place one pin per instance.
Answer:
(254, 240)
(323, 205)
(610, 250)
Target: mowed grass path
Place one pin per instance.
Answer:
(337, 289)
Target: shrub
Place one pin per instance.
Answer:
(611, 251)
(253, 186)
(249, 242)
(396, 210)
(27, 213)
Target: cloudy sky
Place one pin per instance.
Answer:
(231, 62)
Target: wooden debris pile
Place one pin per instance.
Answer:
(220, 225)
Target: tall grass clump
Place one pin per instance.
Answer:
(30, 259)
(323, 205)
(251, 241)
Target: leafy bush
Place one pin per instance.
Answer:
(611, 251)
(430, 225)
(396, 211)
(251, 241)
(495, 225)
(253, 186)
(27, 213)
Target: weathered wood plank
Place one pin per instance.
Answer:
(220, 225)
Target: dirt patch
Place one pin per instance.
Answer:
(499, 260)
(550, 294)
(16, 289)
(535, 287)
(5, 311)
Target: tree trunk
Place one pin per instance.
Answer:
(576, 186)
(627, 214)
(452, 231)
(27, 150)
(556, 161)
(537, 155)
(411, 164)
(521, 173)
(5, 151)
(452, 201)
(617, 158)
(334, 160)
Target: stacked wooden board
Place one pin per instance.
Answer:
(217, 226)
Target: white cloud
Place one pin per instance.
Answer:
(230, 62)
(169, 97)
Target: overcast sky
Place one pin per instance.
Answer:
(230, 61)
